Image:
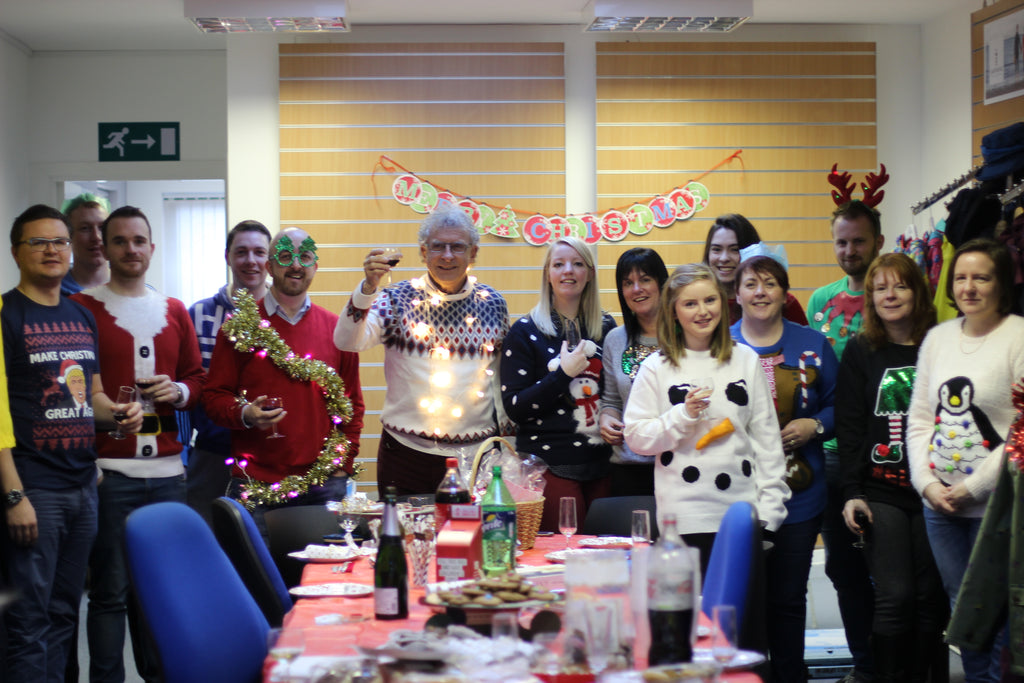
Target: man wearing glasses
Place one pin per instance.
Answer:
(442, 334)
(48, 478)
(242, 380)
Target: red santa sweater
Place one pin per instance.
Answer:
(307, 423)
(142, 337)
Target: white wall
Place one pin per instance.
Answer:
(14, 149)
(72, 92)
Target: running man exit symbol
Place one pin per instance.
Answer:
(139, 141)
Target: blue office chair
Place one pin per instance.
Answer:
(733, 562)
(237, 534)
(206, 625)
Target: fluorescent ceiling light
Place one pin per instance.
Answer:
(267, 16)
(680, 16)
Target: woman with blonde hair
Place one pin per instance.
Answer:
(551, 379)
(702, 406)
(876, 379)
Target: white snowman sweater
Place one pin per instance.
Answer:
(747, 464)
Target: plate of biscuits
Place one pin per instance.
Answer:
(508, 591)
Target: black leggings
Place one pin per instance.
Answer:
(909, 597)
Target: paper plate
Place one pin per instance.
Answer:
(558, 556)
(606, 542)
(744, 659)
(332, 590)
(331, 554)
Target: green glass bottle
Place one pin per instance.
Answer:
(391, 573)
(499, 527)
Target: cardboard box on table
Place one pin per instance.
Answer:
(459, 551)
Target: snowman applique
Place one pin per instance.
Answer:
(585, 391)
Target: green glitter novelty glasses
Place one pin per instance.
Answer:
(286, 255)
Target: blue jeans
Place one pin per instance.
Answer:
(788, 566)
(952, 539)
(50, 576)
(332, 489)
(108, 593)
(847, 569)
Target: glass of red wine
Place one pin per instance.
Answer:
(144, 383)
(269, 403)
(393, 255)
(124, 395)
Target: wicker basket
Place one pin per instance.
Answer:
(528, 513)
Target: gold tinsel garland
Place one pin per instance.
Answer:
(251, 334)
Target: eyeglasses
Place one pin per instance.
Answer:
(458, 248)
(286, 258)
(40, 243)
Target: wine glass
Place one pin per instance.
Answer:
(124, 395)
(269, 403)
(723, 633)
(641, 527)
(572, 334)
(284, 645)
(349, 522)
(144, 383)
(863, 523)
(393, 255)
(567, 518)
(706, 384)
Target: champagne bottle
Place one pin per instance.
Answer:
(391, 573)
(452, 491)
(671, 599)
(499, 527)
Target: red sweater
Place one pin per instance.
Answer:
(142, 337)
(307, 423)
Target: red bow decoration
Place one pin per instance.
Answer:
(1015, 439)
(844, 188)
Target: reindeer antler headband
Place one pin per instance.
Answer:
(843, 192)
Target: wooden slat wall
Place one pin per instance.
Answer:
(988, 118)
(666, 112)
(483, 120)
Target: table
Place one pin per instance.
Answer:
(347, 637)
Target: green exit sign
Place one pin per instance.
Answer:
(140, 141)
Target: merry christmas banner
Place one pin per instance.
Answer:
(660, 211)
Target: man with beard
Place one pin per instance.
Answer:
(145, 339)
(307, 469)
(835, 310)
(86, 214)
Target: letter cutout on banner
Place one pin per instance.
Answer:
(471, 209)
(700, 191)
(685, 203)
(560, 227)
(641, 219)
(615, 226)
(446, 200)
(664, 211)
(487, 218)
(427, 201)
(406, 189)
(536, 230)
(585, 226)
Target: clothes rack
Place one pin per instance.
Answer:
(945, 190)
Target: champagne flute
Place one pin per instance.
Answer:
(567, 518)
(601, 635)
(269, 403)
(125, 394)
(284, 645)
(393, 255)
(572, 334)
(723, 633)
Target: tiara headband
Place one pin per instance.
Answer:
(844, 193)
(777, 252)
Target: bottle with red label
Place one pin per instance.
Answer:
(452, 491)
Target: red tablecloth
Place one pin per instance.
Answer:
(345, 638)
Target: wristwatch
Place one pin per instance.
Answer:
(819, 428)
(14, 497)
